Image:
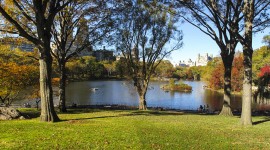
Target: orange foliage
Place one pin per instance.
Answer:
(237, 73)
(217, 76)
(14, 78)
(55, 81)
(217, 81)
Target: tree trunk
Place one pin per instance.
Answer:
(142, 103)
(141, 89)
(47, 109)
(247, 87)
(62, 87)
(247, 51)
(226, 108)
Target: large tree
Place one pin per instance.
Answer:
(256, 18)
(33, 20)
(218, 20)
(76, 28)
(145, 29)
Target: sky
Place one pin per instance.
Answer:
(196, 42)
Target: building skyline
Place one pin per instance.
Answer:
(201, 60)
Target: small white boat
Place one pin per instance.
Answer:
(94, 89)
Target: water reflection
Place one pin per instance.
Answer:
(123, 93)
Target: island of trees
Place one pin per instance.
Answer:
(180, 87)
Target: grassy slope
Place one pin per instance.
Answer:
(99, 129)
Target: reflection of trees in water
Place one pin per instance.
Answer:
(215, 100)
(172, 93)
(262, 100)
(130, 86)
(236, 102)
(262, 96)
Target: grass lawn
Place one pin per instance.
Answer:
(129, 129)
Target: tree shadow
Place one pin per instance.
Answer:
(155, 113)
(265, 119)
(129, 113)
(80, 111)
(87, 118)
(31, 114)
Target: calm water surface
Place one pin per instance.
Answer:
(123, 93)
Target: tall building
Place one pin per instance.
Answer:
(18, 43)
(103, 54)
(203, 60)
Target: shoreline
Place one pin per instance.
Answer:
(124, 107)
(222, 91)
(154, 109)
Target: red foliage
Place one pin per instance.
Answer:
(217, 76)
(265, 71)
(237, 74)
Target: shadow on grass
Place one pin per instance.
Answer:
(31, 114)
(150, 111)
(89, 118)
(265, 119)
(130, 113)
(80, 111)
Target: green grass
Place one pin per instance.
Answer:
(115, 129)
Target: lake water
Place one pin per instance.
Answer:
(124, 93)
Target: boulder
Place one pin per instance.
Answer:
(7, 113)
(5, 117)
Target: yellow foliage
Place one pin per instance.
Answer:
(14, 77)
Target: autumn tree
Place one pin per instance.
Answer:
(260, 58)
(215, 69)
(237, 73)
(33, 20)
(263, 84)
(217, 81)
(265, 73)
(15, 76)
(109, 66)
(144, 30)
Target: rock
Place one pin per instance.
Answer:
(5, 117)
(22, 118)
(7, 113)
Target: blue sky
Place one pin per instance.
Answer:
(196, 42)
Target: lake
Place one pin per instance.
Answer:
(123, 93)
